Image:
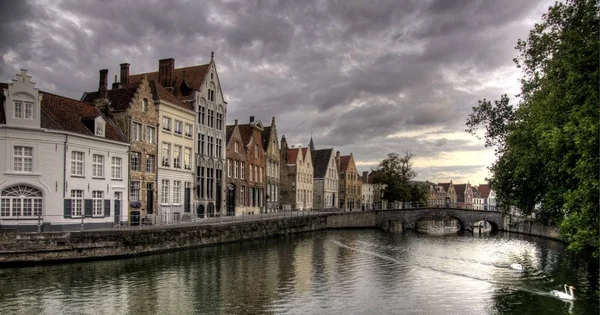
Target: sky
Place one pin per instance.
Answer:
(364, 77)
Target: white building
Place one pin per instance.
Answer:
(326, 178)
(63, 164)
(367, 196)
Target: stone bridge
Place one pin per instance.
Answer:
(467, 217)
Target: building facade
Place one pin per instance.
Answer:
(450, 199)
(272, 153)
(200, 87)
(350, 183)
(326, 178)
(464, 196)
(237, 185)
(367, 193)
(64, 164)
(297, 185)
(133, 109)
(255, 170)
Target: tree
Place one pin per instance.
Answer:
(547, 147)
(395, 172)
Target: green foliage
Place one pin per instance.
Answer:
(547, 147)
(395, 172)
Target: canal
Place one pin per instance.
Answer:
(326, 272)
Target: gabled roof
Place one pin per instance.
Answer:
(119, 98)
(304, 150)
(292, 155)
(192, 76)
(344, 161)
(320, 161)
(446, 186)
(228, 132)
(476, 193)
(484, 190)
(265, 136)
(160, 93)
(460, 191)
(246, 133)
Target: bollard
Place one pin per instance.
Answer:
(82, 223)
(39, 229)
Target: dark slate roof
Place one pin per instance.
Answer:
(344, 161)
(228, 132)
(3, 86)
(476, 193)
(460, 192)
(194, 77)
(266, 134)
(246, 133)
(320, 161)
(119, 98)
(446, 186)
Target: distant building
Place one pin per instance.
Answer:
(367, 192)
(272, 151)
(450, 199)
(464, 196)
(484, 193)
(297, 179)
(478, 200)
(255, 167)
(326, 179)
(350, 183)
(64, 162)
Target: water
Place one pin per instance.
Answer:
(328, 272)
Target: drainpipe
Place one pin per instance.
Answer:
(65, 166)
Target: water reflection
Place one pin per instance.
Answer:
(333, 272)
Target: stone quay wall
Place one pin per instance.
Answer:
(20, 249)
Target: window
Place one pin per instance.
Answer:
(242, 195)
(76, 203)
(28, 110)
(219, 148)
(211, 118)
(100, 128)
(150, 135)
(115, 170)
(211, 95)
(229, 167)
(201, 145)
(256, 151)
(177, 156)
(77, 163)
(135, 161)
(21, 201)
(178, 127)
(150, 163)
(145, 106)
(251, 172)
(166, 124)
(177, 192)
(242, 172)
(237, 171)
(18, 109)
(136, 132)
(188, 130)
(97, 196)
(236, 147)
(97, 165)
(202, 116)
(260, 173)
(23, 159)
(219, 121)
(134, 192)
(166, 154)
(211, 145)
(187, 158)
(164, 196)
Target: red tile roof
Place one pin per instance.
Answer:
(344, 161)
(292, 155)
(304, 150)
(246, 133)
(484, 190)
(160, 93)
(194, 77)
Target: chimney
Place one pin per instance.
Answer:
(103, 84)
(365, 176)
(124, 73)
(166, 67)
(251, 119)
(116, 85)
(236, 122)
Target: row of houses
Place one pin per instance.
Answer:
(155, 148)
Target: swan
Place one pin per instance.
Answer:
(516, 266)
(564, 295)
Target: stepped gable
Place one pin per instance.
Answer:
(320, 160)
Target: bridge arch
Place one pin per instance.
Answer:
(466, 217)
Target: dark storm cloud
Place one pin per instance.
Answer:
(351, 72)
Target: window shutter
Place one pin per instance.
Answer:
(88, 205)
(107, 208)
(67, 208)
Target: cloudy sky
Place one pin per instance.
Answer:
(367, 77)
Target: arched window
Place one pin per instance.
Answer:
(220, 117)
(145, 105)
(20, 201)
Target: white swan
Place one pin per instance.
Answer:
(516, 266)
(565, 295)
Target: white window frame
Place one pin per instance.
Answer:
(116, 169)
(136, 132)
(187, 158)
(164, 197)
(178, 128)
(242, 170)
(236, 147)
(150, 135)
(177, 192)
(177, 156)
(100, 128)
(166, 124)
(19, 109)
(21, 202)
(76, 203)
(77, 163)
(134, 191)
(23, 160)
(166, 154)
(150, 157)
(137, 161)
(97, 166)
(97, 203)
(189, 128)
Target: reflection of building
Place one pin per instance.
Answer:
(325, 178)
(63, 161)
(271, 146)
(350, 183)
(200, 87)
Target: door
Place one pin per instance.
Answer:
(231, 200)
(118, 201)
(149, 198)
(186, 200)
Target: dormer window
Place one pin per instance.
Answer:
(100, 128)
(145, 106)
